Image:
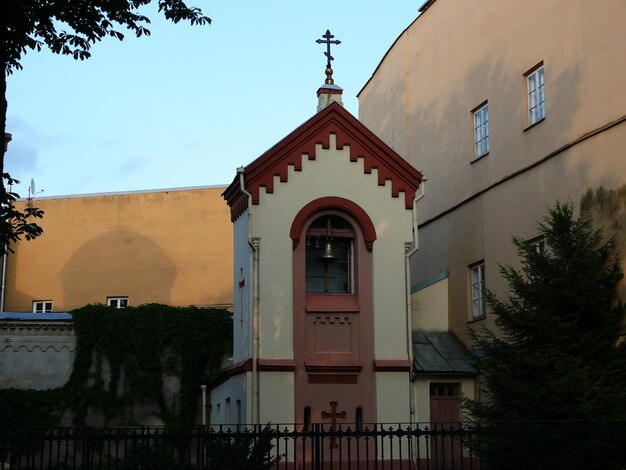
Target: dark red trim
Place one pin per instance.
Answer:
(276, 365)
(329, 91)
(336, 303)
(301, 143)
(333, 368)
(236, 369)
(333, 379)
(333, 203)
(238, 207)
(392, 365)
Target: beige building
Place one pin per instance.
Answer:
(171, 246)
(505, 107)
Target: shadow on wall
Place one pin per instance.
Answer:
(118, 263)
(607, 210)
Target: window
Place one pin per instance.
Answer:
(478, 288)
(481, 131)
(238, 413)
(307, 419)
(536, 96)
(538, 244)
(359, 419)
(117, 302)
(42, 306)
(329, 254)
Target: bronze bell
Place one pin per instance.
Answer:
(328, 254)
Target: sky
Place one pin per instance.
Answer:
(188, 105)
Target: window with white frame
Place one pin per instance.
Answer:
(538, 244)
(478, 290)
(117, 302)
(42, 306)
(481, 131)
(536, 95)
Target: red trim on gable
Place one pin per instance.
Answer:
(236, 369)
(276, 365)
(392, 365)
(290, 151)
(239, 206)
(333, 203)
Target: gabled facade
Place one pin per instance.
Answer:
(323, 228)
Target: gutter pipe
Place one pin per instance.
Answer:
(254, 323)
(408, 252)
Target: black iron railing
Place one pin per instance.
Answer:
(521, 445)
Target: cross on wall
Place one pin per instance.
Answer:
(333, 416)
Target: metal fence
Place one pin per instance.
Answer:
(546, 445)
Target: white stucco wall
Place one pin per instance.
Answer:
(277, 398)
(234, 389)
(242, 296)
(392, 397)
(332, 174)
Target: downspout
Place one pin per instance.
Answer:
(4, 277)
(254, 321)
(204, 420)
(408, 252)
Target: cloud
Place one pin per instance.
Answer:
(21, 156)
(130, 166)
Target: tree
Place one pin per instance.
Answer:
(68, 27)
(555, 356)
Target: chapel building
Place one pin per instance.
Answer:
(323, 230)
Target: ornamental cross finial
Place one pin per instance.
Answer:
(328, 40)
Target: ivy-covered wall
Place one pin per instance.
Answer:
(129, 363)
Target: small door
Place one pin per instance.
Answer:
(445, 415)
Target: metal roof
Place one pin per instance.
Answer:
(35, 316)
(440, 352)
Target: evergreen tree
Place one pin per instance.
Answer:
(555, 355)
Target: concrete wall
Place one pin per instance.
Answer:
(451, 59)
(171, 246)
(36, 354)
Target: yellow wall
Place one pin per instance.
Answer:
(170, 246)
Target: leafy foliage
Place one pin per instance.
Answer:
(122, 359)
(555, 356)
(242, 450)
(68, 28)
(14, 223)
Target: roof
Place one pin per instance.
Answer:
(35, 316)
(301, 143)
(440, 352)
(125, 193)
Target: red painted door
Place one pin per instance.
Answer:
(445, 415)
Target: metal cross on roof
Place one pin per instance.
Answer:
(328, 41)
